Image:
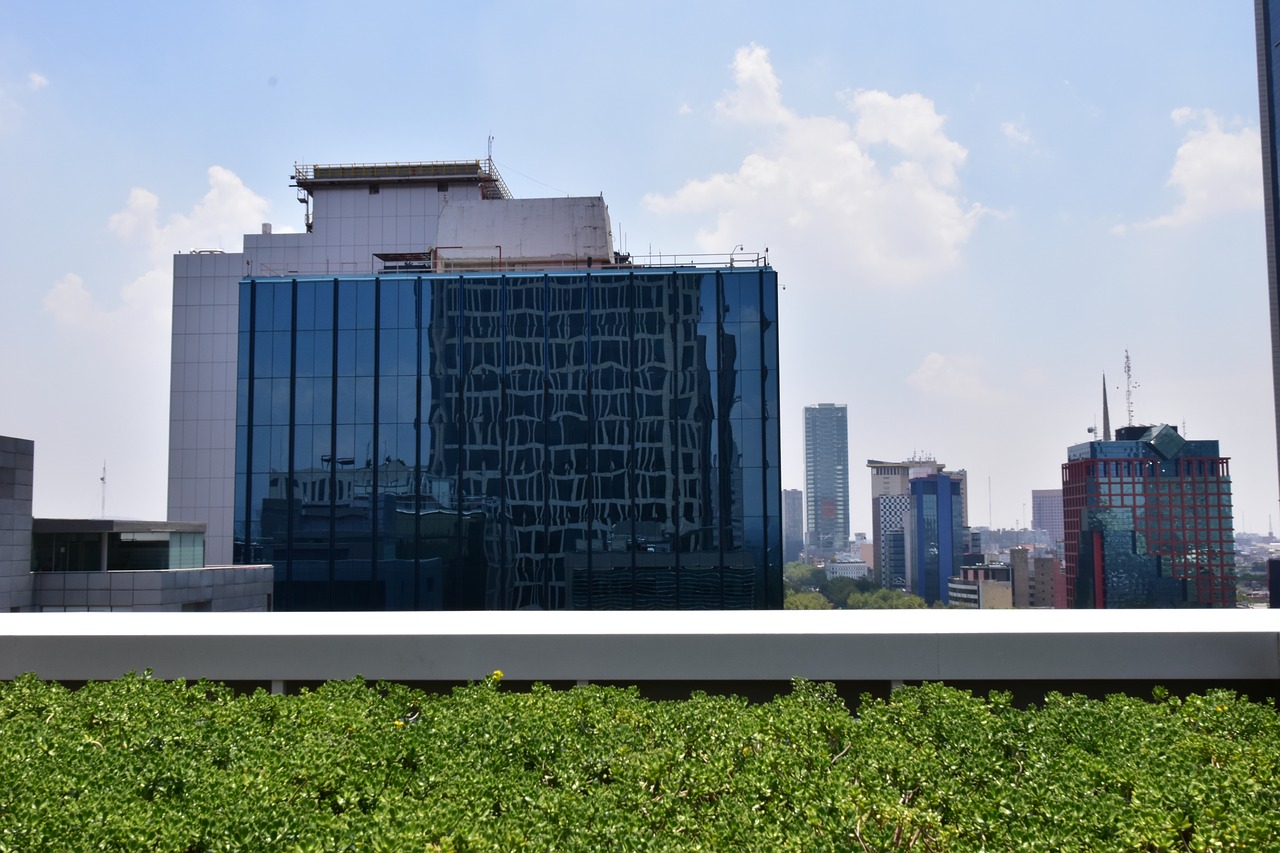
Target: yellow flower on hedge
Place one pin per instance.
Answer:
(399, 724)
(497, 675)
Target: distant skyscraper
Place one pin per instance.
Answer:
(1267, 16)
(890, 508)
(1046, 512)
(826, 477)
(792, 524)
(935, 535)
(1147, 521)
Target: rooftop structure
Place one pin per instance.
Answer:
(103, 564)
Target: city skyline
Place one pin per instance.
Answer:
(1052, 201)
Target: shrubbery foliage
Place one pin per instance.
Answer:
(140, 764)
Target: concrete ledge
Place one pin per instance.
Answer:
(693, 647)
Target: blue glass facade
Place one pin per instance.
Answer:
(575, 439)
(1267, 20)
(938, 535)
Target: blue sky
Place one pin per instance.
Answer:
(976, 208)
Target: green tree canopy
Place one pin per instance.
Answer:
(807, 601)
(884, 599)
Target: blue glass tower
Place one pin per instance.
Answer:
(936, 535)
(1267, 13)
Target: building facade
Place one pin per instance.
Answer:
(100, 564)
(17, 469)
(510, 441)
(891, 513)
(1267, 30)
(826, 478)
(935, 535)
(1046, 513)
(1148, 522)
(1037, 581)
(445, 398)
(792, 524)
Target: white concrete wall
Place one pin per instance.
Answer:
(218, 589)
(202, 395)
(562, 229)
(700, 648)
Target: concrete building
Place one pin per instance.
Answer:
(63, 564)
(441, 397)
(17, 467)
(971, 594)
(891, 512)
(826, 478)
(1037, 581)
(1148, 521)
(792, 524)
(1046, 513)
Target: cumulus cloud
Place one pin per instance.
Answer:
(877, 189)
(1014, 133)
(14, 97)
(955, 377)
(228, 210)
(1216, 171)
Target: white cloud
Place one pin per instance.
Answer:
(36, 80)
(878, 192)
(955, 377)
(684, 110)
(1014, 133)
(228, 210)
(758, 97)
(1216, 171)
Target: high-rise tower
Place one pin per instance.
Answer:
(1147, 521)
(826, 478)
(1267, 15)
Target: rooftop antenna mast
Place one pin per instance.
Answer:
(103, 480)
(1128, 387)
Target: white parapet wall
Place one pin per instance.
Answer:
(709, 648)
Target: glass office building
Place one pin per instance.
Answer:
(936, 532)
(826, 478)
(1147, 521)
(591, 438)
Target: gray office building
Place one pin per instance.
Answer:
(826, 478)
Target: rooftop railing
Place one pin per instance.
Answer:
(436, 261)
(482, 171)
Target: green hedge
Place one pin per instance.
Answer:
(140, 764)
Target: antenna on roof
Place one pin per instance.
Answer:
(103, 480)
(1128, 386)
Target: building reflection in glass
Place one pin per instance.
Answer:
(593, 440)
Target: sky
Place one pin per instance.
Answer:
(976, 209)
